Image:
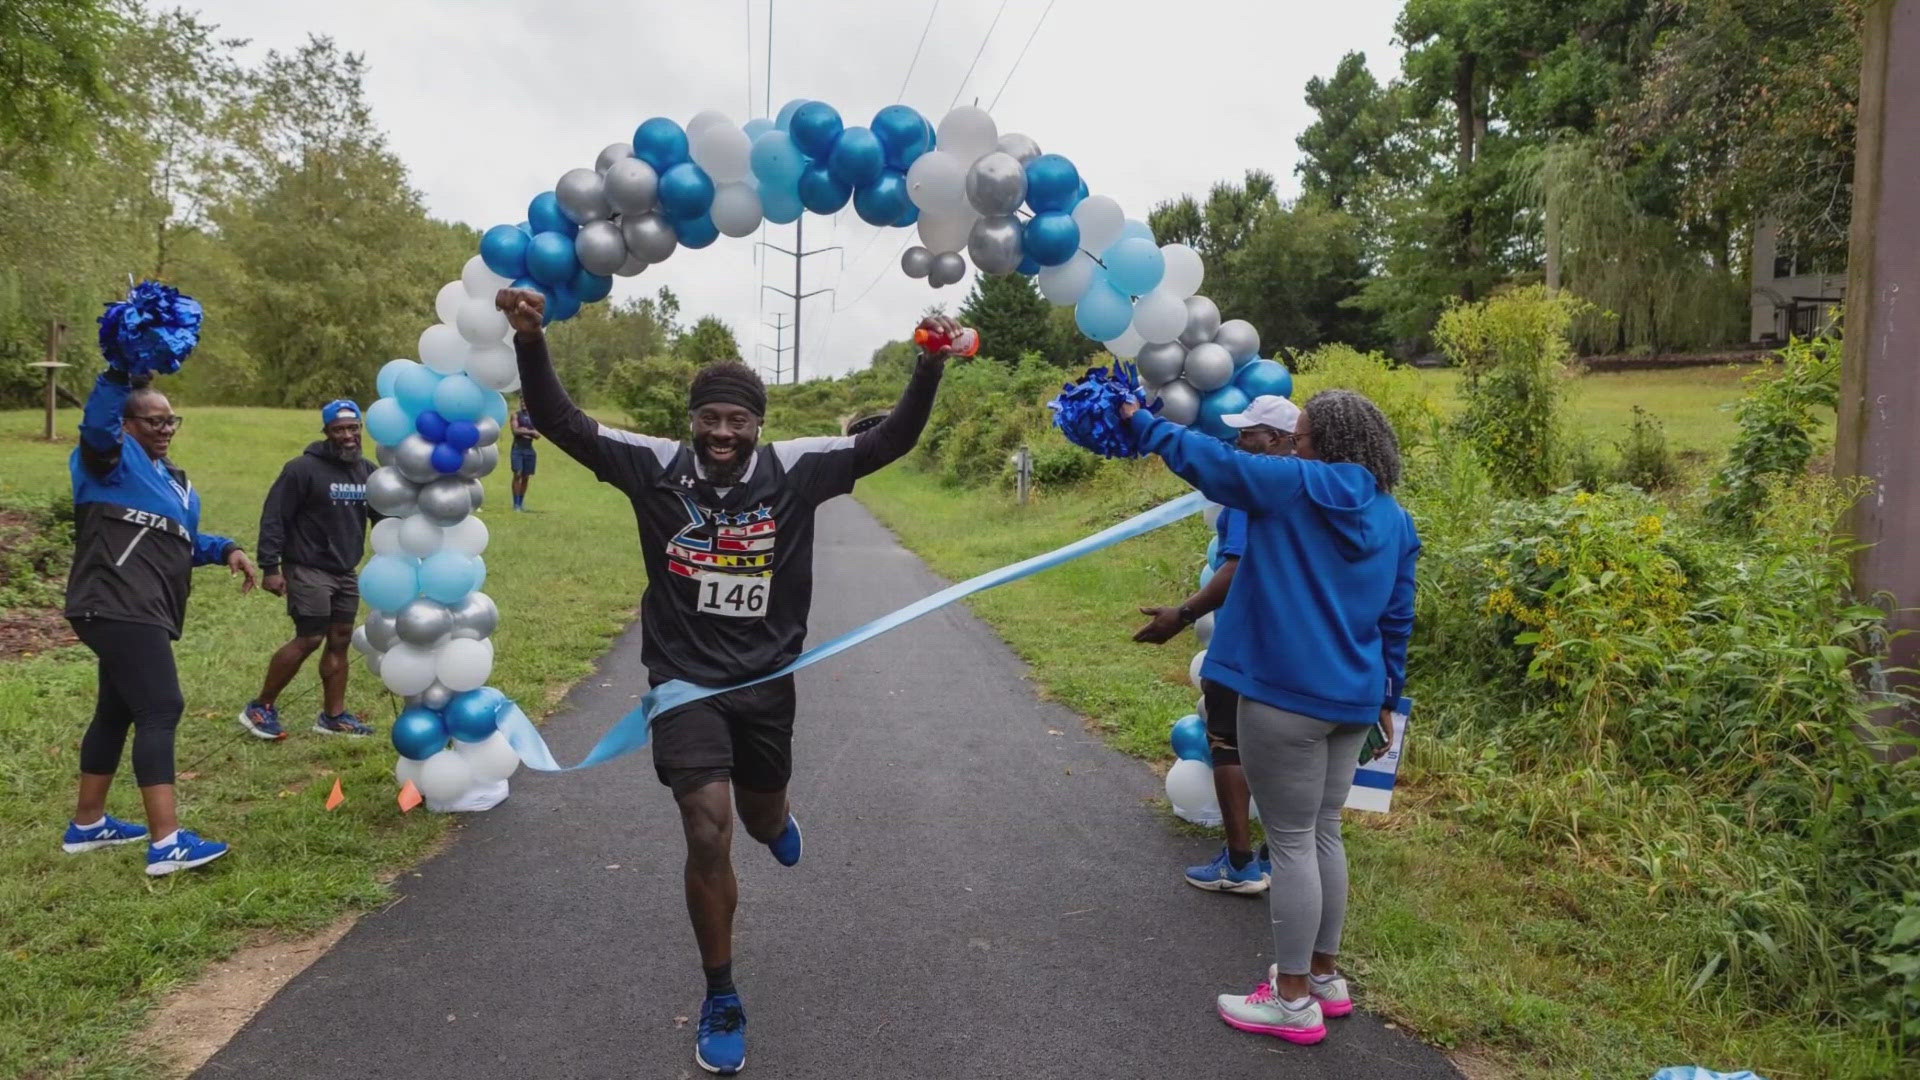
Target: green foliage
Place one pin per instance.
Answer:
(1645, 462)
(1400, 392)
(1777, 420)
(1058, 463)
(984, 412)
(653, 392)
(587, 348)
(709, 340)
(54, 84)
(36, 544)
(1514, 350)
(1342, 149)
(1014, 321)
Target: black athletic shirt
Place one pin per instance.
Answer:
(729, 571)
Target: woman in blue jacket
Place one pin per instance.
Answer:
(1313, 637)
(137, 539)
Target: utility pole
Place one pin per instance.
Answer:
(779, 328)
(799, 254)
(1879, 390)
(56, 330)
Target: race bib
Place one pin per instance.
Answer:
(733, 595)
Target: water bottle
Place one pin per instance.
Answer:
(964, 342)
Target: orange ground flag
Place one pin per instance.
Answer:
(409, 797)
(336, 796)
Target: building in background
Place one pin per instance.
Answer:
(1793, 295)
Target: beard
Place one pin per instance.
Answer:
(725, 473)
(347, 453)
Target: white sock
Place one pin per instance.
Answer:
(1322, 980)
(95, 825)
(167, 839)
(1298, 1003)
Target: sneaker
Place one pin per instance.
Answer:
(786, 846)
(721, 1046)
(1332, 995)
(263, 721)
(186, 852)
(1220, 876)
(109, 832)
(1263, 1013)
(344, 724)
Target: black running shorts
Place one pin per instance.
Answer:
(745, 736)
(1223, 722)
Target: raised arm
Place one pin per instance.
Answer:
(101, 433)
(1254, 482)
(890, 440)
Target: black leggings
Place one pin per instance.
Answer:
(139, 688)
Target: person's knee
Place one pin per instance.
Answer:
(306, 638)
(339, 638)
(707, 820)
(764, 813)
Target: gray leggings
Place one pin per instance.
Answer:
(1299, 770)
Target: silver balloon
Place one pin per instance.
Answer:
(948, 268)
(600, 247)
(1239, 338)
(476, 494)
(479, 461)
(1022, 147)
(390, 494)
(414, 458)
(649, 235)
(477, 614)
(1160, 364)
(1179, 402)
(583, 196)
(1209, 367)
(489, 430)
(1203, 321)
(633, 265)
(382, 634)
(383, 453)
(632, 186)
(614, 153)
(994, 245)
(997, 185)
(916, 261)
(373, 663)
(435, 697)
(423, 622)
(445, 501)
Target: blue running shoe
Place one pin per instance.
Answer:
(109, 832)
(786, 846)
(186, 852)
(344, 724)
(263, 721)
(722, 1043)
(1220, 876)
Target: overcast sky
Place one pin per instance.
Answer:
(489, 101)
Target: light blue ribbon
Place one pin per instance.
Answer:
(631, 732)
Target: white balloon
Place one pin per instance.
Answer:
(1160, 316)
(481, 322)
(420, 537)
(1100, 220)
(406, 771)
(463, 664)
(446, 303)
(492, 759)
(1211, 513)
(1193, 669)
(407, 669)
(1064, 285)
(946, 230)
(386, 537)
(722, 150)
(937, 183)
(469, 537)
(736, 209)
(1203, 629)
(1189, 787)
(443, 349)
(359, 640)
(493, 366)
(1127, 345)
(967, 133)
(444, 777)
(481, 281)
(1184, 270)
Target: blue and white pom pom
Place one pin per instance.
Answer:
(151, 331)
(1088, 412)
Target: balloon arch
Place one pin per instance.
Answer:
(962, 185)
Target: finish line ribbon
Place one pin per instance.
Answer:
(632, 731)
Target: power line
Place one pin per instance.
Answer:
(1023, 55)
(976, 56)
(748, 4)
(884, 271)
(901, 96)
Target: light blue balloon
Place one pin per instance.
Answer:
(1206, 575)
(480, 573)
(496, 407)
(780, 205)
(418, 733)
(447, 576)
(1104, 313)
(1213, 552)
(757, 127)
(413, 388)
(388, 582)
(459, 398)
(784, 118)
(1135, 265)
(776, 161)
(474, 715)
(1133, 228)
(387, 421)
(389, 372)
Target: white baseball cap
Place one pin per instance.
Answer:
(1267, 410)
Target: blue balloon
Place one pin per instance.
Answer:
(904, 135)
(776, 161)
(389, 372)
(1134, 228)
(686, 191)
(857, 159)
(544, 216)
(660, 143)
(784, 118)
(1053, 238)
(447, 576)
(1080, 194)
(418, 733)
(474, 715)
(815, 128)
(1104, 313)
(550, 259)
(413, 388)
(1259, 378)
(909, 216)
(562, 303)
(446, 459)
(757, 127)
(820, 192)
(781, 206)
(459, 398)
(1051, 183)
(431, 425)
(463, 435)
(496, 407)
(504, 250)
(388, 582)
(1225, 401)
(1213, 552)
(1134, 265)
(884, 200)
(590, 287)
(1027, 266)
(697, 232)
(1190, 739)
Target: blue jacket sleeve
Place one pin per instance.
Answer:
(1225, 475)
(100, 423)
(1233, 533)
(1396, 625)
(209, 549)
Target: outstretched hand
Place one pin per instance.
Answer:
(1166, 625)
(241, 566)
(526, 309)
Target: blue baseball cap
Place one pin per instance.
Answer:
(338, 409)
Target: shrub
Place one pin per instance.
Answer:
(1058, 463)
(1777, 420)
(1645, 462)
(653, 393)
(1399, 391)
(1514, 350)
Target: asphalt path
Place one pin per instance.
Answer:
(987, 891)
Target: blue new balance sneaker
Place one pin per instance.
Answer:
(1220, 876)
(185, 852)
(344, 724)
(263, 721)
(721, 1046)
(110, 831)
(786, 846)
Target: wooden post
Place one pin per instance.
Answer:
(52, 365)
(1023, 471)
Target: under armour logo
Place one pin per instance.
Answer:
(686, 481)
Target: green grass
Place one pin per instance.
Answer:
(88, 942)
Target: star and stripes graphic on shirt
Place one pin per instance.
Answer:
(718, 541)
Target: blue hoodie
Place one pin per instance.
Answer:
(1321, 607)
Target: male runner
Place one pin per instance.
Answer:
(726, 531)
(523, 459)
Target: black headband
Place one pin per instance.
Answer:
(724, 391)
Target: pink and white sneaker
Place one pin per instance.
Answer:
(1333, 996)
(1264, 1013)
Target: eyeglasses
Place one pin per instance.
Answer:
(341, 427)
(160, 423)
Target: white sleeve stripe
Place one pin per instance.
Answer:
(663, 449)
(792, 450)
